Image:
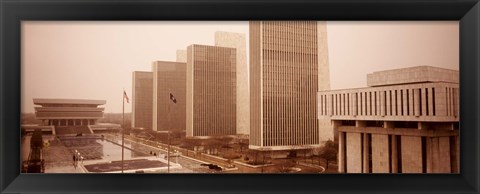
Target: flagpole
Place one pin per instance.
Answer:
(168, 154)
(123, 124)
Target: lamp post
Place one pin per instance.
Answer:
(168, 149)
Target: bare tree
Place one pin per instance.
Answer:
(243, 144)
(190, 143)
(213, 145)
(329, 152)
(225, 141)
(285, 166)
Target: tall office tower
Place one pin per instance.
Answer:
(142, 89)
(169, 78)
(211, 92)
(237, 41)
(182, 56)
(287, 60)
(326, 130)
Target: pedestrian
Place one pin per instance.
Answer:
(74, 160)
(81, 159)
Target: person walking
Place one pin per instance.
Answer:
(74, 161)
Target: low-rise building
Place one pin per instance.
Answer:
(406, 121)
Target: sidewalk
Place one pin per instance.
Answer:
(62, 168)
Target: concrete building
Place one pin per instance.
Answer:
(237, 41)
(142, 99)
(406, 121)
(169, 77)
(182, 56)
(211, 91)
(288, 66)
(69, 116)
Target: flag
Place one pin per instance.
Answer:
(125, 96)
(174, 100)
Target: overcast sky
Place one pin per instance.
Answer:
(95, 60)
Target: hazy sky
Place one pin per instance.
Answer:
(95, 60)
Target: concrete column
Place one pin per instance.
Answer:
(394, 103)
(364, 103)
(447, 104)
(380, 154)
(411, 154)
(388, 102)
(394, 162)
(440, 101)
(430, 142)
(424, 102)
(443, 163)
(354, 103)
(417, 102)
(405, 104)
(399, 102)
(411, 104)
(334, 104)
(330, 107)
(353, 153)
(341, 152)
(366, 164)
(342, 103)
(378, 102)
(382, 103)
(430, 101)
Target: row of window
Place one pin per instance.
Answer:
(397, 102)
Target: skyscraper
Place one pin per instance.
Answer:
(237, 41)
(142, 88)
(169, 78)
(287, 61)
(211, 92)
(181, 56)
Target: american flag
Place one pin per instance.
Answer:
(125, 96)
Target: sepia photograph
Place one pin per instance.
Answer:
(255, 97)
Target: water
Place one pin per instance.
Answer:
(112, 152)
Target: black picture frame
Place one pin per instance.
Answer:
(12, 12)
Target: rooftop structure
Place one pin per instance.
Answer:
(418, 74)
